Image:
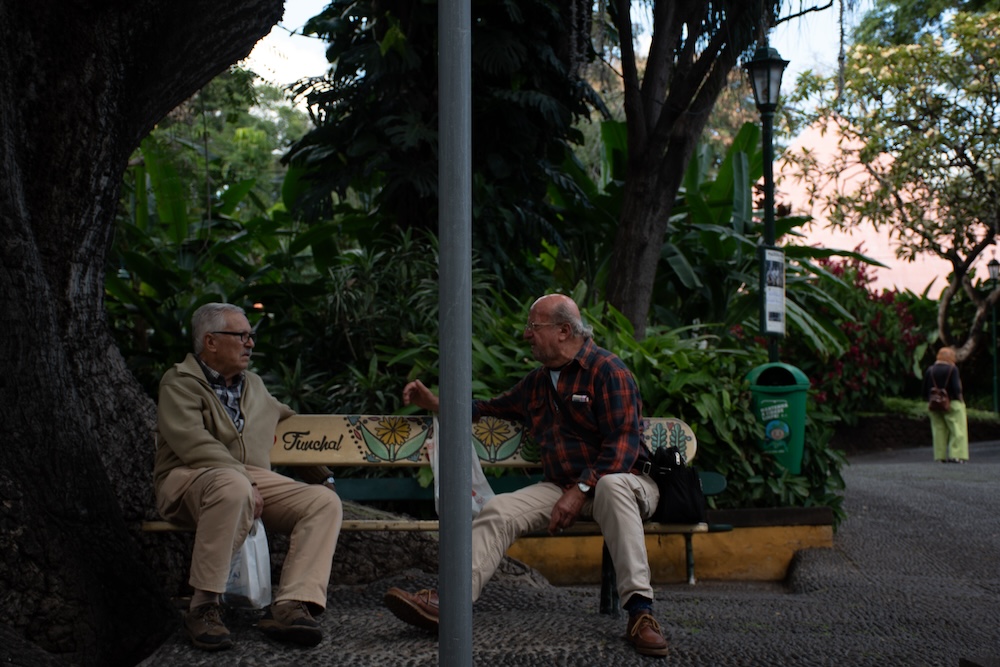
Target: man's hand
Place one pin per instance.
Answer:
(258, 503)
(567, 510)
(417, 394)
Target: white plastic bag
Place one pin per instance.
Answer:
(481, 489)
(249, 583)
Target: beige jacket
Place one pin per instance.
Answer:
(194, 430)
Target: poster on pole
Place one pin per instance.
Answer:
(774, 292)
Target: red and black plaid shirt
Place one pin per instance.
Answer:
(587, 426)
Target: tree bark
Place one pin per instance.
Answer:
(693, 48)
(83, 83)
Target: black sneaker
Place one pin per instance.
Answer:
(291, 622)
(205, 628)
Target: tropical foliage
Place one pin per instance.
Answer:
(376, 140)
(680, 374)
(343, 324)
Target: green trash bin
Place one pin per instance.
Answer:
(779, 401)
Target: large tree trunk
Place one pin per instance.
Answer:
(83, 82)
(694, 47)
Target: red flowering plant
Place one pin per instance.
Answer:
(885, 342)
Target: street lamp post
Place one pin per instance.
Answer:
(994, 266)
(765, 70)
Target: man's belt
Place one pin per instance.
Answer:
(642, 468)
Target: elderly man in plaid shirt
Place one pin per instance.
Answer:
(583, 408)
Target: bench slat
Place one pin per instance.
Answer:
(368, 525)
(362, 525)
(576, 530)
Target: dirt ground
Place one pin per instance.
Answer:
(889, 432)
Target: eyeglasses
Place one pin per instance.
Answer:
(535, 326)
(244, 336)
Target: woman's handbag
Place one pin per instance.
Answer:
(249, 583)
(939, 400)
(681, 497)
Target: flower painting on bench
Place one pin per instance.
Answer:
(499, 440)
(393, 438)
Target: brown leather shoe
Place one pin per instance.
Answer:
(205, 628)
(419, 609)
(291, 621)
(644, 634)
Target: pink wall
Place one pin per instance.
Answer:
(899, 274)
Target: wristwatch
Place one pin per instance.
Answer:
(583, 487)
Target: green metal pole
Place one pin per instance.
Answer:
(993, 313)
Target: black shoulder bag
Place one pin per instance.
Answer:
(681, 497)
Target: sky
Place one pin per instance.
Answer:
(809, 42)
(285, 55)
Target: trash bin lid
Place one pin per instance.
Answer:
(777, 374)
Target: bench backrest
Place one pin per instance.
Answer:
(360, 440)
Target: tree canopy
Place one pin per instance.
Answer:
(898, 22)
(917, 133)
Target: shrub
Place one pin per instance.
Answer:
(886, 343)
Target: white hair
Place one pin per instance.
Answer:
(210, 317)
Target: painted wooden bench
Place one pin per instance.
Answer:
(351, 441)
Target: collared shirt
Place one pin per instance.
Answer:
(586, 423)
(228, 395)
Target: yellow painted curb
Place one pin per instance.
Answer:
(745, 554)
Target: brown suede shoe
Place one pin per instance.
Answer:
(205, 628)
(419, 609)
(644, 634)
(291, 622)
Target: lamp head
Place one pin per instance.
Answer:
(765, 70)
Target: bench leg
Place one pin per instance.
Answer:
(609, 586)
(689, 553)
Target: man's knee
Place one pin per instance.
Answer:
(225, 486)
(333, 504)
(325, 502)
(622, 492)
(497, 507)
(613, 483)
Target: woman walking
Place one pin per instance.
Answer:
(950, 427)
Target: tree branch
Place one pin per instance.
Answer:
(804, 12)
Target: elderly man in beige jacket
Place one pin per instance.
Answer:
(215, 428)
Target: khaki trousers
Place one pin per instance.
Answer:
(218, 502)
(620, 505)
